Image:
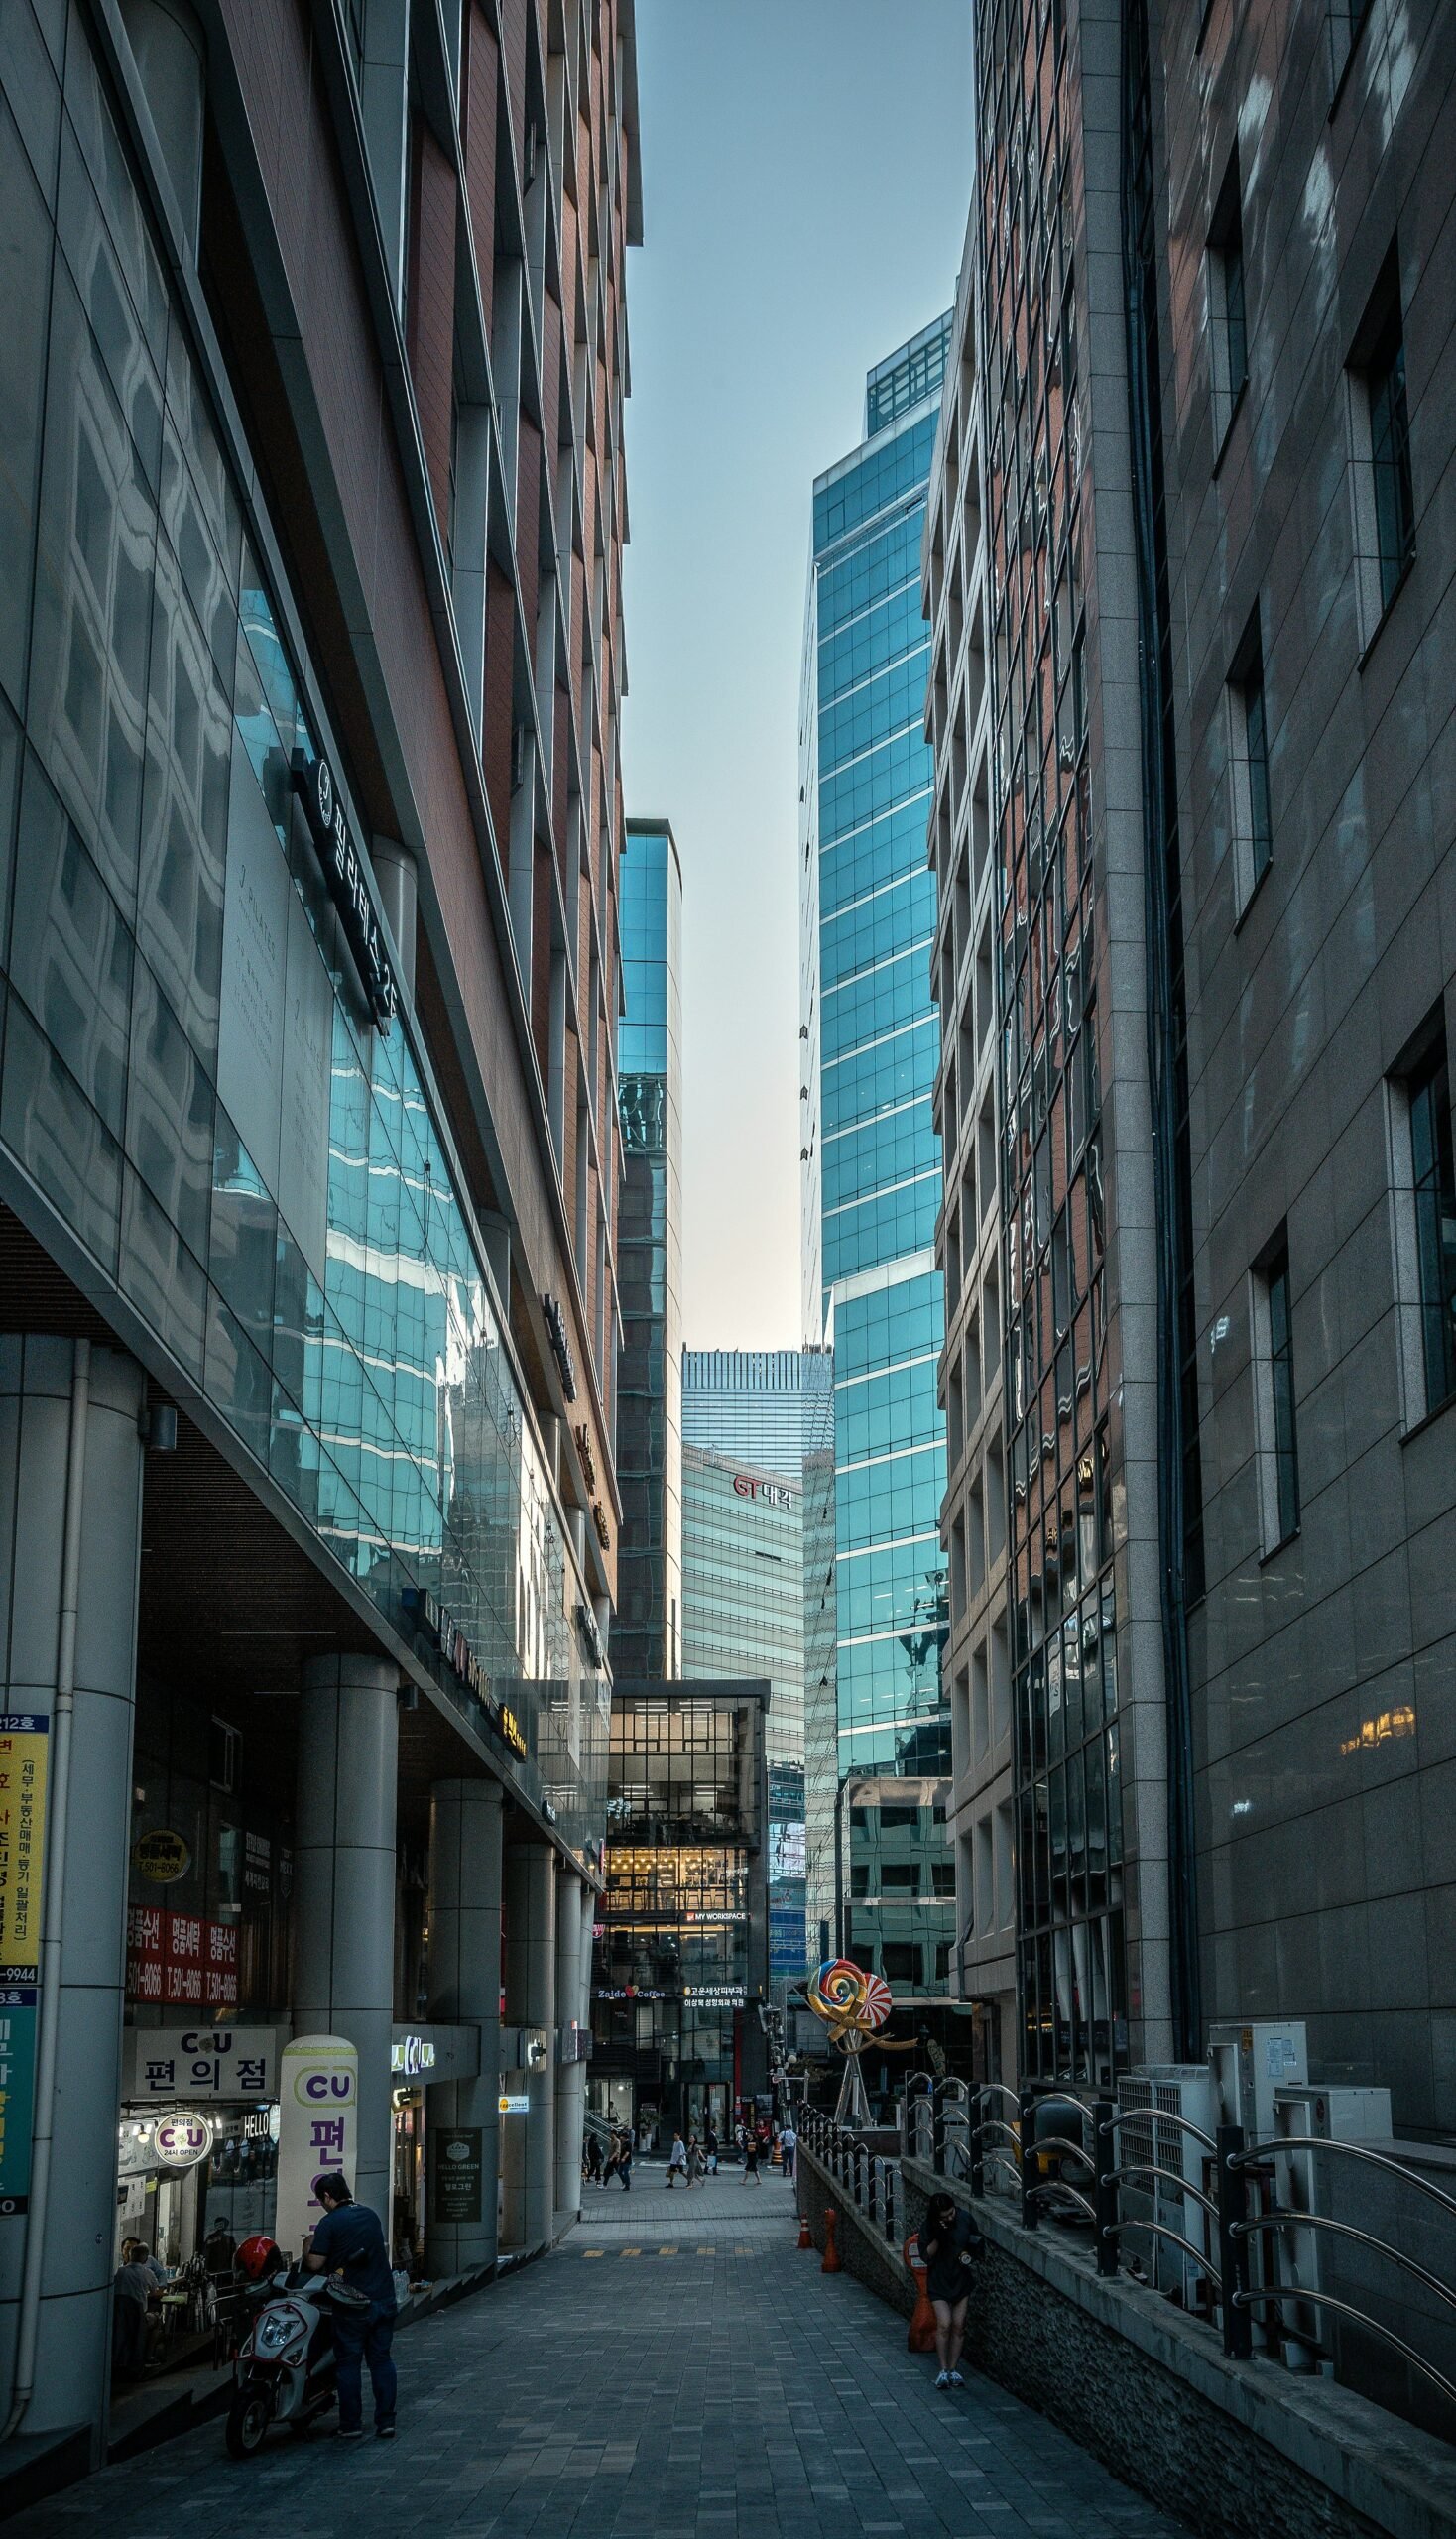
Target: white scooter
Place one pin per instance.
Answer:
(285, 2372)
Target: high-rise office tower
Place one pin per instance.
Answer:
(749, 1419)
(968, 1238)
(872, 1157)
(1219, 414)
(313, 379)
(647, 1636)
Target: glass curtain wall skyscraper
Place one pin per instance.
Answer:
(647, 1634)
(871, 1155)
(751, 1418)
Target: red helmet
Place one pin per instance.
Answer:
(256, 2257)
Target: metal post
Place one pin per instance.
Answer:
(889, 2206)
(873, 2207)
(1105, 2195)
(937, 2128)
(859, 2174)
(1232, 2195)
(977, 2146)
(1026, 2113)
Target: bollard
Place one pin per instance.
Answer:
(921, 2333)
(1026, 2113)
(833, 2263)
(806, 2235)
(1230, 2193)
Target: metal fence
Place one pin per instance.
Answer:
(870, 2180)
(1236, 2221)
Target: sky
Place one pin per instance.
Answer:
(807, 173)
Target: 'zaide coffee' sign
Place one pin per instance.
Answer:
(318, 2120)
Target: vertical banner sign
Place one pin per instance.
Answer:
(318, 2114)
(24, 1738)
(17, 2093)
(455, 2186)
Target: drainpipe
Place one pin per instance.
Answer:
(53, 1909)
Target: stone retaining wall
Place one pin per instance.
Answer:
(1239, 2451)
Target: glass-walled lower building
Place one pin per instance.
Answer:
(680, 1948)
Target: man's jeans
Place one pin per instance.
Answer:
(359, 2336)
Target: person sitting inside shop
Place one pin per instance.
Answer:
(349, 2244)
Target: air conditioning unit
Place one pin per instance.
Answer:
(1310, 2260)
(1162, 2101)
(1250, 2060)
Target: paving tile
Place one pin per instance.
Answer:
(714, 2386)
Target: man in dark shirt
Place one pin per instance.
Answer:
(349, 2242)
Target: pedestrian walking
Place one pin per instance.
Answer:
(349, 2242)
(592, 2161)
(751, 2175)
(950, 2244)
(624, 2160)
(676, 2160)
(694, 2161)
(710, 2150)
(135, 2281)
(788, 2145)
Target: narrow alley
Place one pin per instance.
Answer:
(677, 2369)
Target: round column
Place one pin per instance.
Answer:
(344, 1886)
(464, 1990)
(529, 2162)
(59, 1397)
(574, 1931)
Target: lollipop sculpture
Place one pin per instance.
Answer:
(853, 2006)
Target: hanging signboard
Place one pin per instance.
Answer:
(182, 2138)
(17, 2093)
(318, 2116)
(205, 2063)
(24, 1738)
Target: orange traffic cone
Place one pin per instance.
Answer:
(833, 2261)
(806, 2235)
(920, 2335)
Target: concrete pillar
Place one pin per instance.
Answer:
(74, 2235)
(529, 2164)
(465, 1990)
(344, 1886)
(573, 1933)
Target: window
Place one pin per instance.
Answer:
(899, 1961)
(1273, 1372)
(900, 1878)
(895, 1819)
(943, 1874)
(1385, 488)
(1423, 1180)
(1248, 734)
(1228, 321)
(858, 1881)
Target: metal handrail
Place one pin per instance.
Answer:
(1346, 2309)
(1150, 2169)
(1061, 2142)
(1006, 2093)
(1352, 2152)
(994, 2124)
(1200, 2260)
(1282, 2218)
(1059, 2186)
(1159, 2115)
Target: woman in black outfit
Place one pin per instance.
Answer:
(949, 2244)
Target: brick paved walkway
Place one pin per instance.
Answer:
(661, 2377)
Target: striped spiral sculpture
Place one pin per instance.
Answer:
(851, 2003)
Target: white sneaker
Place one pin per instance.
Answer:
(942, 2379)
(956, 2382)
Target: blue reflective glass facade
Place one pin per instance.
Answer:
(647, 1635)
(871, 1182)
(196, 1114)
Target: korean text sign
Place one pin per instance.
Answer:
(318, 2116)
(24, 1738)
